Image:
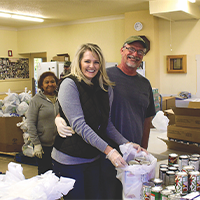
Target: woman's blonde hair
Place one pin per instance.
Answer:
(76, 65)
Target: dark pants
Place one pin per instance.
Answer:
(86, 176)
(45, 163)
(110, 186)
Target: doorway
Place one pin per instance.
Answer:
(36, 62)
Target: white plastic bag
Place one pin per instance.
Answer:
(1, 103)
(12, 98)
(160, 121)
(23, 124)
(133, 176)
(27, 149)
(48, 186)
(22, 108)
(25, 96)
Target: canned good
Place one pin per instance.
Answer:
(174, 197)
(171, 168)
(146, 188)
(196, 156)
(194, 161)
(145, 162)
(139, 159)
(176, 165)
(172, 159)
(183, 161)
(171, 188)
(165, 194)
(181, 182)
(156, 193)
(170, 178)
(157, 181)
(163, 166)
(133, 162)
(188, 168)
(162, 174)
(194, 181)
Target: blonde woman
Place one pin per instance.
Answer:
(85, 97)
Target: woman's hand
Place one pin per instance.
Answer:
(115, 157)
(62, 128)
(38, 151)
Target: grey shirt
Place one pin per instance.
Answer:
(41, 120)
(69, 100)
(133, 102)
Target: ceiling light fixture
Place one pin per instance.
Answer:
(20, 17)
(192, 1)
(27, 18)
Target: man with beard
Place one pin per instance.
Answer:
(132, 108)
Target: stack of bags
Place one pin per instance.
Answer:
(48, 186)
(15, 104)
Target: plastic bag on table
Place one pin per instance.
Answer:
(46, 186)
(133, 176)
(160, 121)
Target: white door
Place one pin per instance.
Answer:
(47, 66)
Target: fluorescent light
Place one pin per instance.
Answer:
(192, 1)
(5, 15)
(20, 16)
(27, 18)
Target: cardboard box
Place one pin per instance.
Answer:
(170, 115)
(194, 104)
(187, 117)
(187, 148)
(11, 135)
(183, 133)
(59, 58)
(168, 102)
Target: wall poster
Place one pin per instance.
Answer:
(14, 68)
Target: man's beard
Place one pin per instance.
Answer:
(134, 65)
(131, 65)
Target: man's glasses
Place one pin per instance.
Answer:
(133, 50)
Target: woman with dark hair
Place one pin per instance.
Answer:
(41, 114)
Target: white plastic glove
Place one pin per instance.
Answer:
(62, 128)
(116, 158)
(138, 147)
(38, 151)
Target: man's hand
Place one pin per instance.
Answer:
(62, 128)
(138, 147)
